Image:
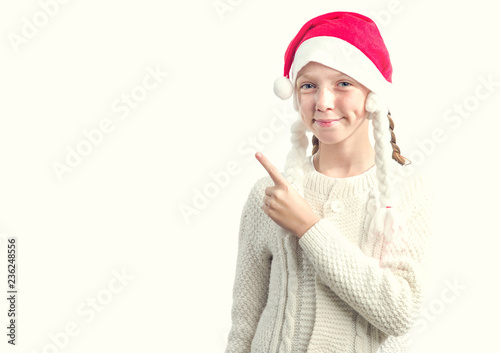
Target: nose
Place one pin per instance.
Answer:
(325, 99)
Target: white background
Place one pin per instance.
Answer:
(119, 209)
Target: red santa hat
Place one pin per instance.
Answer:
(346, 41)
(350, 43)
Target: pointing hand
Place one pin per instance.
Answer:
(283, 204)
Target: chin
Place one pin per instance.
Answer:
(327, 140)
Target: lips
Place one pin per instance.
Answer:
(325, 122)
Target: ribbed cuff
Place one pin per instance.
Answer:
(318, 236)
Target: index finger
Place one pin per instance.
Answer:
(271, 169)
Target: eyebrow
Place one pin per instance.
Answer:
(339, 75)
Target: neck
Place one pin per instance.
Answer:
(343, 160)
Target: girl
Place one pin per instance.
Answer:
(331, 253)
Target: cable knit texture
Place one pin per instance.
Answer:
(335, 289)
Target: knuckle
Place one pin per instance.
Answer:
(279, 193)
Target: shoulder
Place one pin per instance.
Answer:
(255, 225)
(253, 205)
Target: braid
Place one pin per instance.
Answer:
(295, 160)
(395, 148)
(315, 143)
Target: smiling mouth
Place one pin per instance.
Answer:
(325, 122)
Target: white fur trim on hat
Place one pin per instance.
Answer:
(341, 56)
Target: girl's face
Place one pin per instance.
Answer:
(332, 104)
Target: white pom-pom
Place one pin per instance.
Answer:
(283, 87)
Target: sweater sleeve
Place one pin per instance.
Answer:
(386, 292)
(251, 284)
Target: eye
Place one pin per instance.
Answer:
(306, 86)
(344, 84)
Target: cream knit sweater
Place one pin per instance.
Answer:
(332, 290)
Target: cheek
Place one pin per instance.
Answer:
(306, 104)
(303, 115)
(356, 104)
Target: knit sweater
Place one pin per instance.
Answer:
(332, 290)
